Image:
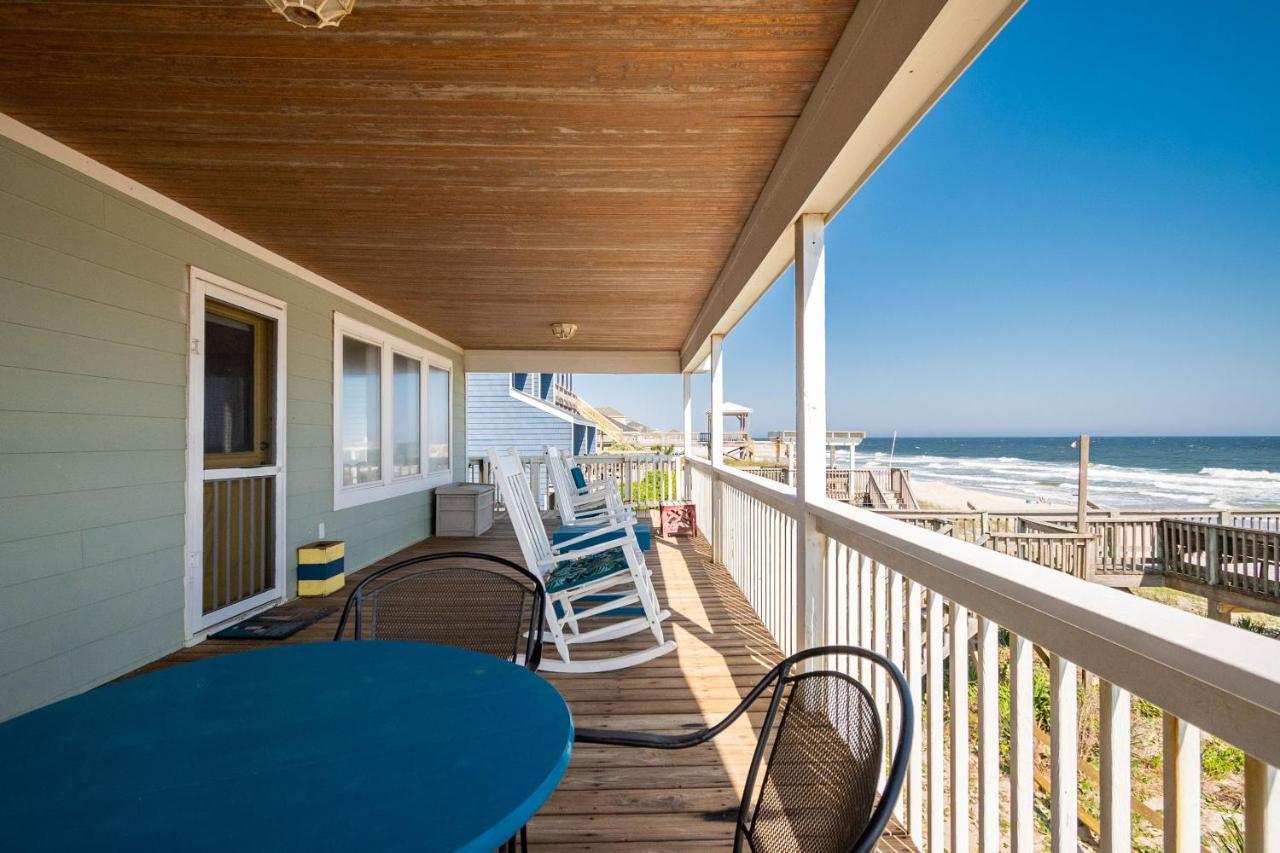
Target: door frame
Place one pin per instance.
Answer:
(202, 286)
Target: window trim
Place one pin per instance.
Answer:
(390, 486)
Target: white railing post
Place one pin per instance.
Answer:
(959, 787)
(1181, 786)
(915, 678)
(688, 430)
(988, 736)
(1064, 730)
(811, 423)
(1261, 806)
(1116, 786)
(716, 447)
(935, 663)
(1022, 748)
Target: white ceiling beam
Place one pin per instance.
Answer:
(894, 61)
(571, 361)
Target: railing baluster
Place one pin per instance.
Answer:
(1261, 806)
(1022, 746)
(866, 582)
(1113, 743)
(915, 680)
(895, 628)
(988, 737)
(879, 605)
(879, 608)
(959, 728)
(937, 665)
(1063, 754)
(1181, 786)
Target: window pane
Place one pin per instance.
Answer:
(228, 385)
(406, 398)
(438, 406)
(361, 412)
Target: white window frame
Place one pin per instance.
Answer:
(390, 486)
(426, 428)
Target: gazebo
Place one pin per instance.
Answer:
(739, 441)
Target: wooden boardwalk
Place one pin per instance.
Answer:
(634, 799)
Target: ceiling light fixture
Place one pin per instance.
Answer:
(313, 14)
(564, 331)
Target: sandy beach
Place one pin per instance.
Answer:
(932, 494)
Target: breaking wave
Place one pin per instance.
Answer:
(1111, 485)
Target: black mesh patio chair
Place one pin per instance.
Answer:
(472, 601)
(497, 607)
(813, 781)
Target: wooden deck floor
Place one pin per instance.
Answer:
(633, 799)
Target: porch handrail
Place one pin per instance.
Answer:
(1186, 664)
(1223, 680)
(644, 479)
(910, 592)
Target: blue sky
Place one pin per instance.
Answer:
(1082, 236)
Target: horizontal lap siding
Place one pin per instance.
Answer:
(93, 331)
(497, 418)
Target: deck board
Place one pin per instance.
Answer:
(634, 799)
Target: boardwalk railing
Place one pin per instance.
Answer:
(934, 603)
(1201, 552)
(644, 479)
(1238, 559)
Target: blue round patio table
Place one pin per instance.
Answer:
(356, 746)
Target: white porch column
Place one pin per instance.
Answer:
(686, 492)
(811, 423)
(716, 446)
(688, 413)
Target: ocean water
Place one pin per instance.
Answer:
(1124, 472)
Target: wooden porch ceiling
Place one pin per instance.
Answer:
(482, 169)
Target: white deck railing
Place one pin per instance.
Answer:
(928, 601)
(644, 479)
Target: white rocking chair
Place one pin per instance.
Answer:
(580, 504)
(574, 569)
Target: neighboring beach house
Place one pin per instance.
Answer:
(527, 411)
(625, 424)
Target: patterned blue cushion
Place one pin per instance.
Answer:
(589, 568)
(644, 535)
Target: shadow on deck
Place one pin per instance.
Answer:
(633, 799)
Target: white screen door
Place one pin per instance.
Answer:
(235, 452)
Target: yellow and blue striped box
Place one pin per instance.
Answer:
(321, 568)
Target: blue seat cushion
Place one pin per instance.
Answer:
(587, 569)
(644, 535)
(579, 479)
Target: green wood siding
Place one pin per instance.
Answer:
(93, 336)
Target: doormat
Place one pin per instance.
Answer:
(267, 626)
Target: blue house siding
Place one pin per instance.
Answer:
(497, 416)
(501, 413)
